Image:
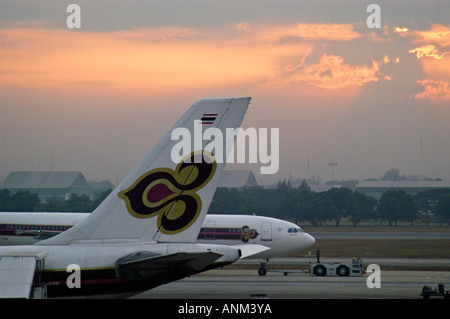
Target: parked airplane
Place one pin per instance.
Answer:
(280, 236)
(143, 234)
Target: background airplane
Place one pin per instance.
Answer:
(282, 237)
(139, 237)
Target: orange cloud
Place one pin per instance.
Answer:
(307, 32)
(438, 34)
(434, 90)
(332, 73)
(401, 30)
(428, 51)
(436, 69)
(165, 59)
(436, 40)
(146, 60)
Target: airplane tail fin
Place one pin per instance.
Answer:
(166, 197)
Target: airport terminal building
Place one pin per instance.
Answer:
(377, 188)
(48, 184)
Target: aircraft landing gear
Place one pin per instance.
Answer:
(262, 269)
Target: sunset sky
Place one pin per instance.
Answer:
(96, 99)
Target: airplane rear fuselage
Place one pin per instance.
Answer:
(97, 264)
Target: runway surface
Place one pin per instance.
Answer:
(439, 264)
(380, 235)
(401, 278)
(247, 284)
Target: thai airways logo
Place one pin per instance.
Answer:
(248, 233)
(171, 194)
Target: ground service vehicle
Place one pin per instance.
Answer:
(355, 268)
(427, 292)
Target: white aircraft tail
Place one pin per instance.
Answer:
(161, 200)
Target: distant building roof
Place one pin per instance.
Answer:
(403, 184)
(44, 180)
(373, 186)
(237, 178)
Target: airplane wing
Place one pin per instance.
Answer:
(17, 272)
(146, 265)
(250, 250)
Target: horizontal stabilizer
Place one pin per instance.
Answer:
(146, 265)
(250, 250)
(17, 271)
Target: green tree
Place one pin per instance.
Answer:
(341, 203)
(292, 204)
(24, 201)
(227, 201)
(303, 205)
(364, 208)
(316, 210)
(396, 205)
(101, 197)
(53, 204)
(77, 203)
(6, 201)
(427, 200)
(442, 210)
(256, 200)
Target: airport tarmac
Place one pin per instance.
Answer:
(380, 235)
(435, 264)
(247, 284)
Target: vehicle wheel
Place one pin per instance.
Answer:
(343, 271)
(262, 271)
(320, 270)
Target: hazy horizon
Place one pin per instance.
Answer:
(97, 99)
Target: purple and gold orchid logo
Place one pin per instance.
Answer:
(248, 233)
(171, 194)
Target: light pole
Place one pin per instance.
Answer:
(332, 164)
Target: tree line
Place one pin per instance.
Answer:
(24, 201)
(304, 205)
(285, 202)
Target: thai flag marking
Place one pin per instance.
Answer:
(208, 118)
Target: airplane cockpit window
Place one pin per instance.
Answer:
(295, 230)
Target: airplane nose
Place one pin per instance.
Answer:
(311, 239)
(308, 240)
